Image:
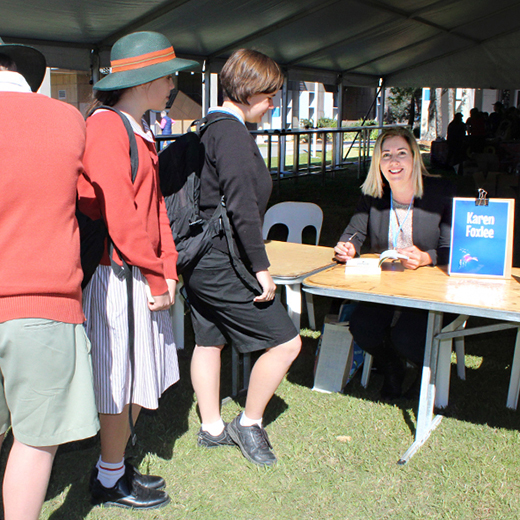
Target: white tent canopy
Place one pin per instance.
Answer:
(436, 43)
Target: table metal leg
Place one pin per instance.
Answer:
(293, 296)
(426, 421)
(246, 373)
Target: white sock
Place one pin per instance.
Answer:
(109, 473)
(214, 428)
(246, 421)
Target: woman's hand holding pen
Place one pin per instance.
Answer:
(345, 251)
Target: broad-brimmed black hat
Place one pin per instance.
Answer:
(30, 62)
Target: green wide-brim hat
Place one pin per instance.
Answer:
(141, 57)
(30, 62)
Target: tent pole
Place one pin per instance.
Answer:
(94, 65)
(338, 136)
(285, 111)
(381, 105)
(206, 87)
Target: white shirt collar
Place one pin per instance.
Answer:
(228, 110)
(136, 127)
(11, 81)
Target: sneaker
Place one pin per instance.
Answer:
(253, 441)
(206, 440)
(147, 481)
(127, 493)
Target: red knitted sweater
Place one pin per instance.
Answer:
(40, 270)
(135, 213)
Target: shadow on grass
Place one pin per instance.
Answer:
(480, 399)
(156, 430)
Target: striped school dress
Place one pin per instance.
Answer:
(156, 365)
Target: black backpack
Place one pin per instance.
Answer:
(94, 232)
(180, 165)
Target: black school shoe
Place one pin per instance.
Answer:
(147, 481)
(127, 492)
(253, 442)
(206, 440)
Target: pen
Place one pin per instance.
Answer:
(334, 257)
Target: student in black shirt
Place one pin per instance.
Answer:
(225, 308)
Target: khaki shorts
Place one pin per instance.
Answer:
(46, 391)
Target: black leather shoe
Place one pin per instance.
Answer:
(206, 440)
(253, 442)
(126, 493)
(147, 481)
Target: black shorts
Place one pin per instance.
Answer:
(223, 310)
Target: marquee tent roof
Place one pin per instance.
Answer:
(436, 43)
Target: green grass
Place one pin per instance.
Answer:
(337, 452)
(315, 160)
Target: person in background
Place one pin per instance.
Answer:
(136, 219)
(401, 208)
(226, 309)
(166, 126)
(495, 118)
(456, 138)
(46, 390)
(476, 128)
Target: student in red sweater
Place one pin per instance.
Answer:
(136, 219)
(46, 392)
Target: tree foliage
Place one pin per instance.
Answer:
(403, 105)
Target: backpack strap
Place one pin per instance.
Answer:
(247, 277)
(221, 211)
(134, 154)
(124, 272)
(203, 124)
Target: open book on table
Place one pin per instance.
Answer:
(371, 265)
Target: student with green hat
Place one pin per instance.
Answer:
(140, 79)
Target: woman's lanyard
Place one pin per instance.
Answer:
(394, 222)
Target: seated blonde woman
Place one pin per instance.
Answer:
(405, 209)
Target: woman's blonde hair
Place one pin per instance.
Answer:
(247, 73)
(373, 184)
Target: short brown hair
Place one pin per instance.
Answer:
(248, 72)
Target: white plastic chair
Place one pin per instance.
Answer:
(296, 216)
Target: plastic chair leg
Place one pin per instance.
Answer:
(442, 383)
(514, 383)
(443, 373)
(246, 360)
(235, 361)
(310, 310)
(461, 365)
(367, 367)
